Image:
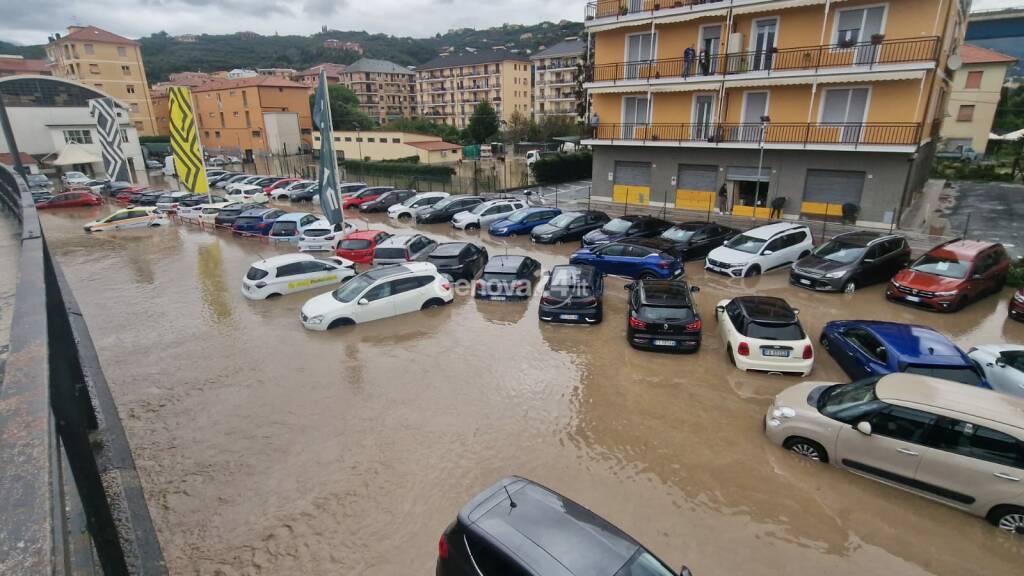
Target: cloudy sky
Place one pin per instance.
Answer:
(30, 22)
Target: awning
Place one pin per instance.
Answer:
(692, 16)
(824, 78)
(773, 6)
(657, 89)
(75, 154)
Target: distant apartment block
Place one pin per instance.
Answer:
(386, 91)
(278, 72)
(974, 95)
(448, 88)
(387, 145)
(332, 44)
(12, 65)
(310, 75)
(187, 38)
(108, 62)
(554, 78)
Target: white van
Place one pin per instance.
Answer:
(169, 166)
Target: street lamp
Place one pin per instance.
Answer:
(760, 162)
(359, 139)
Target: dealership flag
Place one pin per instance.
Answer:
(188, 157)
(109, 129)
(328, 177)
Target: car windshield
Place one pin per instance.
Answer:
(678, 234)
(499, 276)
(353, 288)
(444, 203)
(745, 243)
(286, 228)
(961, 374)
(643, 563)
(355, 244)
(941, 266)
(389, 254)
(839, 251)
(563, 220)
(410, 201)
(165, 199)
(774, 331)
(518, 216)
(849, 402)
(246, 220)
(37, 179)
(617, 226)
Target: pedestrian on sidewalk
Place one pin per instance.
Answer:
(723, 200)
(777, 203)
(689, 55)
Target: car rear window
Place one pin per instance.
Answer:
(283, 229)
(255, 273)
(319, 233)
(773, 331)
(666, 314)
(355, 244)
(389, 253)
(499, 276)
(961, 374)
(246, 220)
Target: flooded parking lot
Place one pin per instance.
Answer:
(267, 449)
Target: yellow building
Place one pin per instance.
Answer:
(109, 62)
(448, 88)
(845, 99)
(386, 145)
(977, 86)
(386, 91)
(554, 78)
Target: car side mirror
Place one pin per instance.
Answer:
(768, 252)
(864, 428)
(684, 571)
(363, 302)
(628, 286)
(1000, 361)
(880, 351)
(694, 289)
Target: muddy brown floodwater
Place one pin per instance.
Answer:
(267, 449)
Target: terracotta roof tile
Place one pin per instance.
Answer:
(8, 160)
(94, 34)
(24, 66)
(265, 81)
(971, 54)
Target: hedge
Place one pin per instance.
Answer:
(402, 168)
(563, 167)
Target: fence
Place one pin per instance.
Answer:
(72, 499)
(849, 134)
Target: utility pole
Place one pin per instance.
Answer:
(760, 163)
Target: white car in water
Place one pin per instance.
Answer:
(141, 217)
(763, 333)
(761, 250)
(1003, 365)
(486, 212)
(74, 178)
(321, 235)
(247, 193)
(288, 273)
(407, 210)
(204, 213)
(378, 293)
(285, 192)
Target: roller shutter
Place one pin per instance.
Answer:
(833, 186)
(633, 173)
(696, 177)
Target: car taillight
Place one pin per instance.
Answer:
(480, 284)
(446, 286)
(636, 323)
(295, 232)
(408, 258)
(663, 264)
(694, 326)
(442, 548)
(743, 349)
(588, 301)
(808, 352)
(520, 284)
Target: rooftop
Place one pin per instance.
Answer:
(573, 47)
(434, 145)
(94, 34)
(377, 66)
(330, 68)
(481, 57)
(971, 54)
(20, 65)
(261, 81)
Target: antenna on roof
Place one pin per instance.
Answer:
(511, 502)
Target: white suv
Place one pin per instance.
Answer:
(485, 213)
(289, 273)
(407, 210)
(761, 249)
(378, 293)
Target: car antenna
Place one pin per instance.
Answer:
(511, 502)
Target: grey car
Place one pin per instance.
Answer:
(850, 261)
(400, 249)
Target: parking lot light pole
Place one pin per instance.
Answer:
(760, 162)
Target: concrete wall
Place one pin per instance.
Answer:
(282, 132)
(885, 174)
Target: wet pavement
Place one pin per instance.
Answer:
(990, 211)
(268, 449)
(10, 247)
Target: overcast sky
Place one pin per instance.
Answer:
(32, 21)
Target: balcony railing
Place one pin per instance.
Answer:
(609, 8)
(864, 55)
(847, 134)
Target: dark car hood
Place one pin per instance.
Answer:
(600, 235)
(818, 265)
(545, 229)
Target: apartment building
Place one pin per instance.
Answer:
(310, 76)
(389, 145)
(108, 62)
(977, 86)
(386, 91)
(554, 78)
(158, 96)
(844, 98)
(253, 116)
(448, 88)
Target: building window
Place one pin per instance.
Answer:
(973, 80)
(89, 49)
(122, 51)
(78, 136)
(211, 114)
(245, 98)
(134, 107)
(234, 114)
(231, 92)
(130, 88)
(222, 120)
(248, 123)
(126, 70)
(216, 133)
(255, 133)
(94, 68)
(396, 140)
(348, 138)
(965, 113)
(359, 139)
(338, 139)
(124, 136)
(369, 140)
(206, 133)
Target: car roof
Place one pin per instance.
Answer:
(665, 293)
(446, 249)
(766, 309)
(363, 234)
(256, 211)
(653, 243)
(582, 269)
(535, 209)
(547, 531)
(630, 217)
(504, 263)
(399, 269)
(914, 342)
(961, 249)
(864, 237)
(691, 225)
(399, 240)
(770, 230)
(281, 260)
(289, 216)
(952, 396)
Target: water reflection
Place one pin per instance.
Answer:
(212, 287)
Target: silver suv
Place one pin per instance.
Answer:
(958, 444)
(400, 249)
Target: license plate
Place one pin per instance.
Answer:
(570, 316)
(500, 298)
(774, 352)
(664, 342)
(911, 298)
(805, 282)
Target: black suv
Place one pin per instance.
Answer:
(572, 295)
(568, 226)
(458, 260)
(693, 240)
(386, 200)
(228, 214)
(520, 528)
(507, 277)
(663, 316)
(850, 261)
(446, 208)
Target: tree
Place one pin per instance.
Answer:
(483, 125)
(446, 132)
(345, 112)
(518, 128)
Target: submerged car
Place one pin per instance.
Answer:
(256, 222)
(522, 221)
(129, 218)
(404, 248)
(573, 294)
(1002, 365)
(1015, 309)
(850, 261)
(289, 227)
(507, 277)
(694, 240)
(568, 227)
(70, 200)
(359, 245)
(663, 316)
(322, 235)
(386, 200)
(485, 213)
(407, 209)
(763, 333)
(289, 273)
(458, 260)
(365, 195)
(227, 215)
(761, 250)
(631, 258)
(952, 275)
(445, 209)
(629, 226)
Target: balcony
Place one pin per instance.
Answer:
(846, 136)
(863, 56)
(631, 9)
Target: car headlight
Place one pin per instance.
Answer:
(1018, 297)
(837, 274)
(943, 294)
(783, 412)
(897, 284)
(501, 230)
(316, 319)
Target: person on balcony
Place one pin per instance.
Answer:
(689, 55)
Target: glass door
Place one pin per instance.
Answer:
(710, 45)
(703, 115)
(634, 116)
(764, 42)
(846, 108)
(639, 53)
(755, 105)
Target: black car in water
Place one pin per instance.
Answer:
(149, 198)
(850, 261)
(459, 260)
(386, 200)
(306, 195)
(663, 316)
(628, 226)
(573, 295)
(693, 240)
(507, 277)
(197, 199)
(518, 528)
(446, 208)
(569, 226)
(228, 214)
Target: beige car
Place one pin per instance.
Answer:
(958, 444)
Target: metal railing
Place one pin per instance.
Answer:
(72, 498)
(848, 134)
(861, 55)
(609, 8)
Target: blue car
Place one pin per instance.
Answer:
(257, 221)
(628, 226)
(632, 258)
(865, 348)
(523, 221)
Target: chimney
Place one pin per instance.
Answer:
(75, 28)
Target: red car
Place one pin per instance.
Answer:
(279, 184)
(951, 275)
(364, 195)
(358, 246)
(1017, 305)
(71, 200)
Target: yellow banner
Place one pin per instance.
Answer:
(188, 158)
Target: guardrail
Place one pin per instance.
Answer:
(72, 498)
(848, 134)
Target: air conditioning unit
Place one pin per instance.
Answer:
(736, 62)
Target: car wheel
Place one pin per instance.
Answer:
(648, 276)
(432, 303)
(274, 295)
(804, 254)
(472, 226)
(1008, 518)
(807, 448)
(754, 270)
(339, 322)
(824, 341)
(850, 287)
(732, 359)
(404, 217)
